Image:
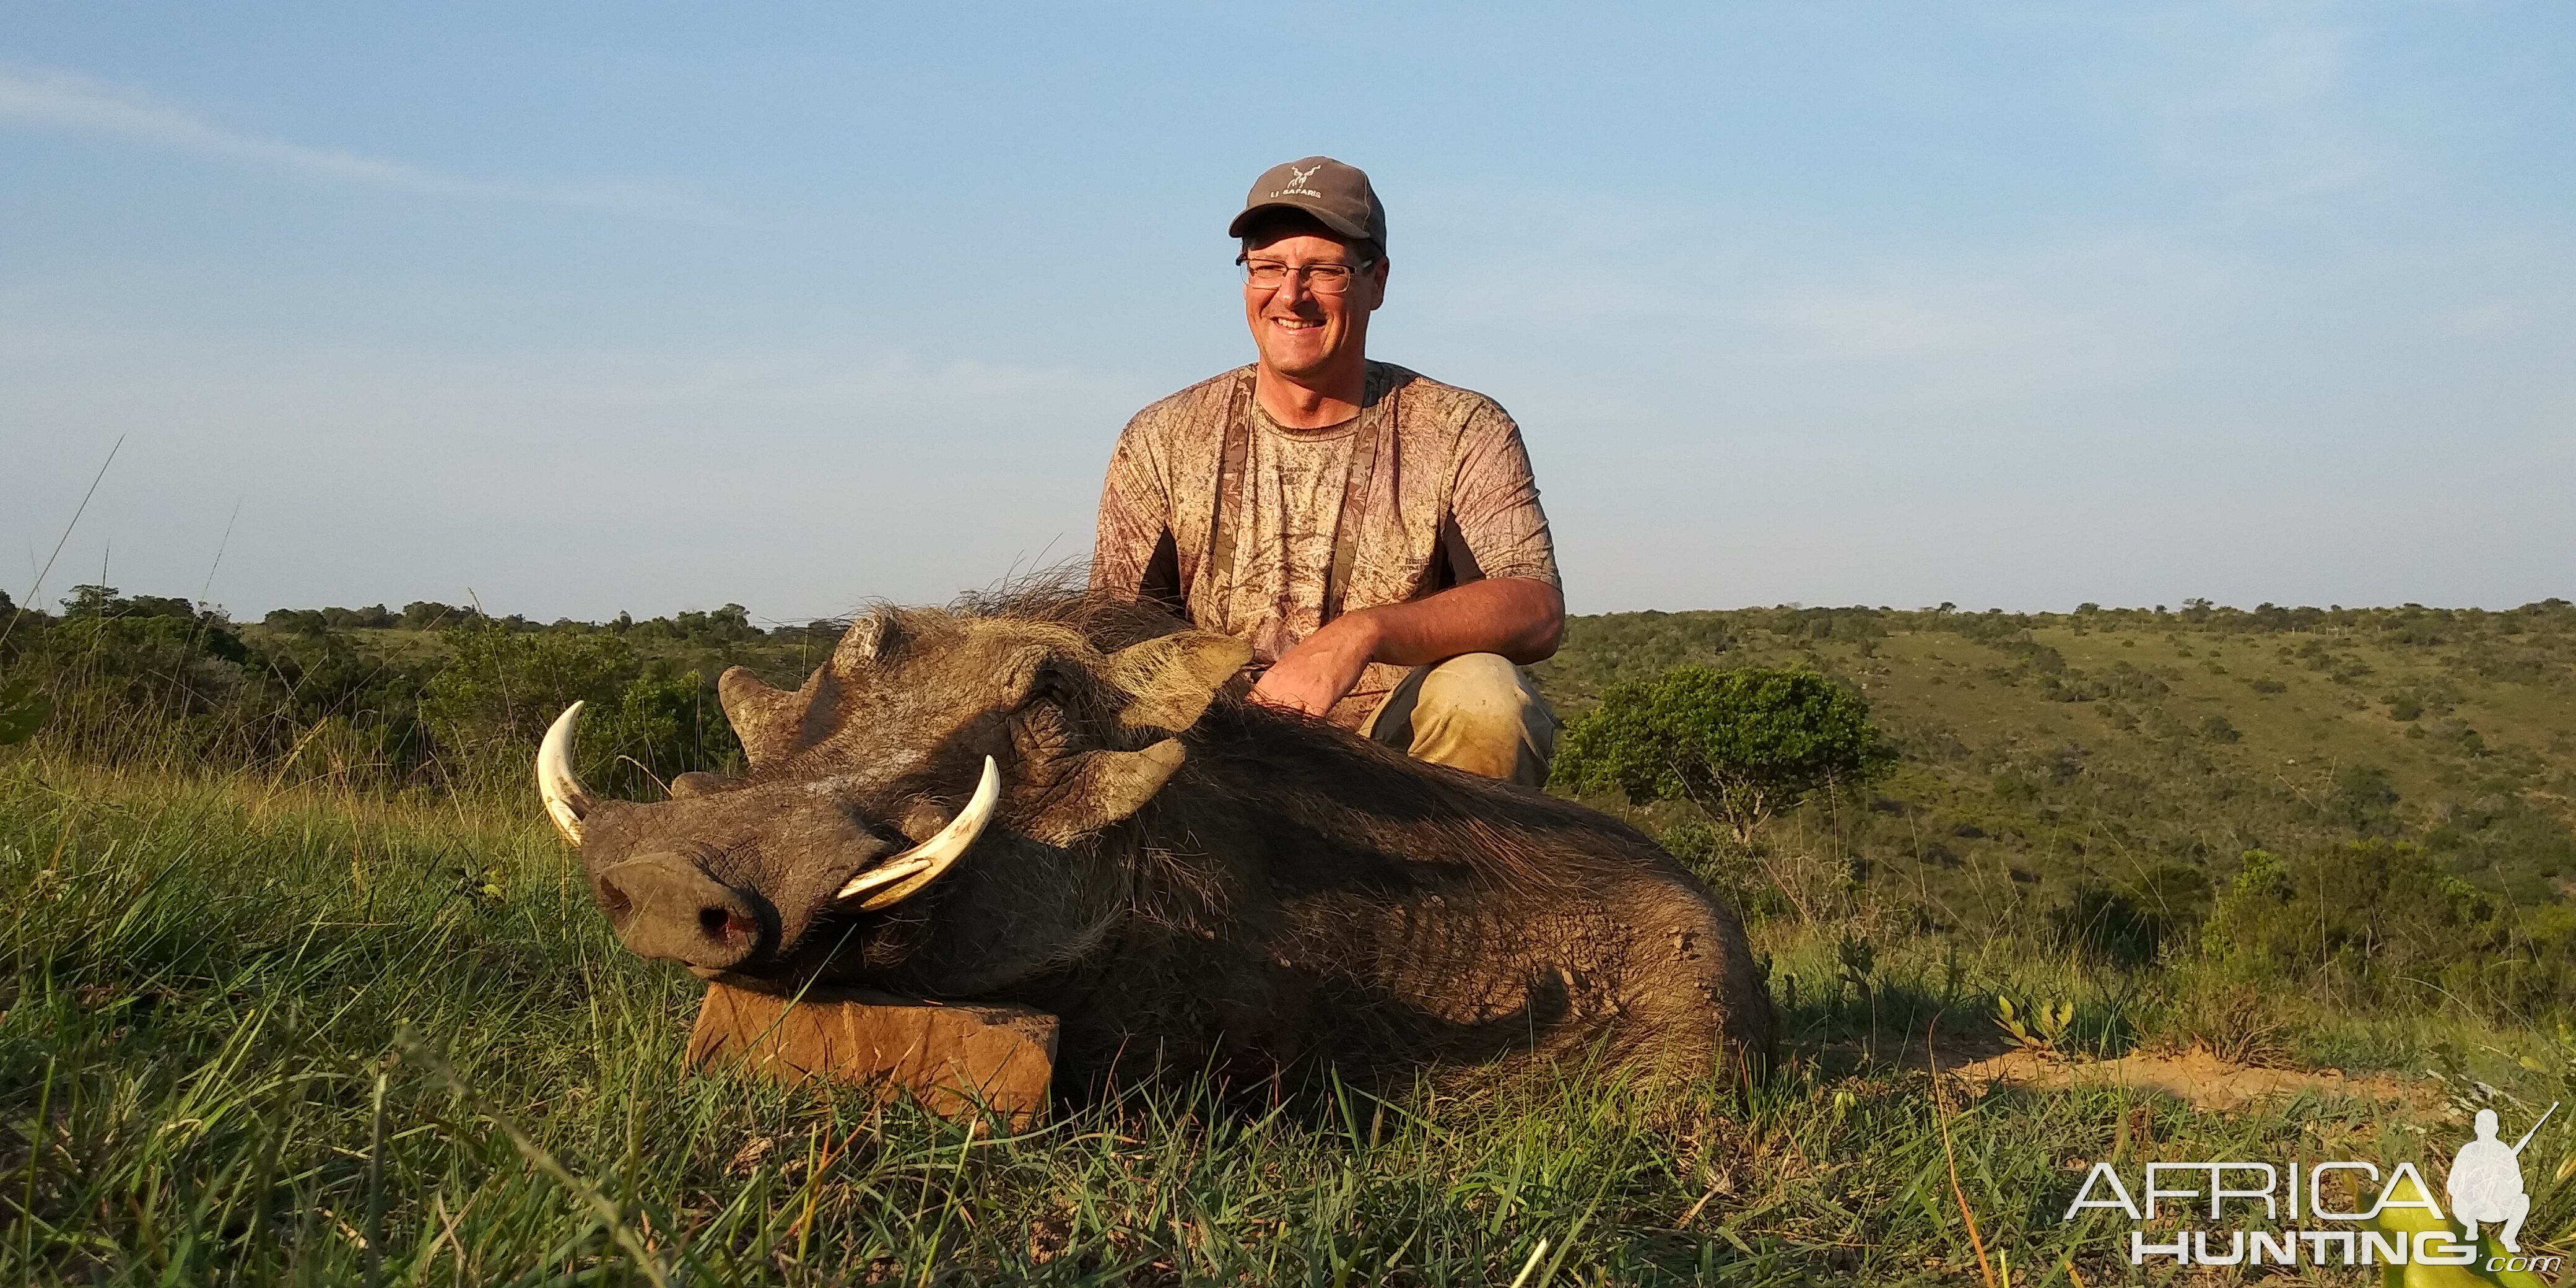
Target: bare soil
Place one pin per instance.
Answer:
(2197, 1076)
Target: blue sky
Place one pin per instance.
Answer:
(577, 308)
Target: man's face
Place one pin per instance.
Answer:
(1299, 330)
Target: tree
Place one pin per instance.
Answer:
(430, 615)
(503, 688)
(1743, 745)
(499, 689)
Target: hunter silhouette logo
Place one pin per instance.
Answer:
(2204, 1208)
(2486, 1181)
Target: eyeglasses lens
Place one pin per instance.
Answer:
(1322, 279)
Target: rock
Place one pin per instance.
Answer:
(950, 1058)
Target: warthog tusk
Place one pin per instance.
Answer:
(901, 877)
(566, 799)
(881, 875)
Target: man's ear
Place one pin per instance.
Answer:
(1169, 681)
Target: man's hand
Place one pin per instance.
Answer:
(1323, 667)
(1520, 619)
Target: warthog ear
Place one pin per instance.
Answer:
(1100, 788)
(768, 721)
(1170, 680)
(876, 633)
(697, 783)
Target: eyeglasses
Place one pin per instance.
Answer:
(1322, 279)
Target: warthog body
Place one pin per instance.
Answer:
(1189, 881)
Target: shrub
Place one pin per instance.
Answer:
(2264, 876)
(1733, 872)
(22, 710)
(499, 690)
(2127, 925)
(2233, 1013)
(658, 727)
(2364, 799)
(2371, 920)
(1743, 745)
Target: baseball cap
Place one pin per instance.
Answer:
(1337, 195)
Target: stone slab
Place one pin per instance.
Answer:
(951, 1058)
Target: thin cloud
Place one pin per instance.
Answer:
(71, 103)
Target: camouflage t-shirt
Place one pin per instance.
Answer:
(1431, 479)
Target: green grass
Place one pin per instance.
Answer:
(265, 1023)
(298, 1039)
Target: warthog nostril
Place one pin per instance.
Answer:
(614, 902)
(725, 925)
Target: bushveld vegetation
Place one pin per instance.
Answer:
(302, 989)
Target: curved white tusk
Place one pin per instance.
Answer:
(566, 799)
(901, 877)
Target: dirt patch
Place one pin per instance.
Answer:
(2198, 1077)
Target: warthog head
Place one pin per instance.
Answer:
(921, 815)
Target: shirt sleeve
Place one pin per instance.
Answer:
(1495, 501)
(1135, 515)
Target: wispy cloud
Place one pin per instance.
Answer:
(71, 103)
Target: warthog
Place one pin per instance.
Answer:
(1061, 802)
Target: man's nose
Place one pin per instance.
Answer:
(1296, 294)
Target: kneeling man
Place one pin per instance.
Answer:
(1373, 534)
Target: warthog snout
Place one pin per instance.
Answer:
(663, 906)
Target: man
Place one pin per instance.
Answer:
(1374, 535)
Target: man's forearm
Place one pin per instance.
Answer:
(1514, 616)
(1520, 618)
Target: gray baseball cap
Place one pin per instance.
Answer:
(1337, 195)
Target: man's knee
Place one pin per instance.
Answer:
(1475, 712)
(1474, 692)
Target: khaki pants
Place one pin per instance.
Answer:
(1475, 712)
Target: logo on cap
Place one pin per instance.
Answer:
(1297, 182)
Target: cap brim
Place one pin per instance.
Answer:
(1335, 222)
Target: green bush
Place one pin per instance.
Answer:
(2263, 876)
(2364, 799)
(150, 680)
(499, 690)
(1732, 871)
(2379, 920)
(1743, 745)
(2127, 925)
